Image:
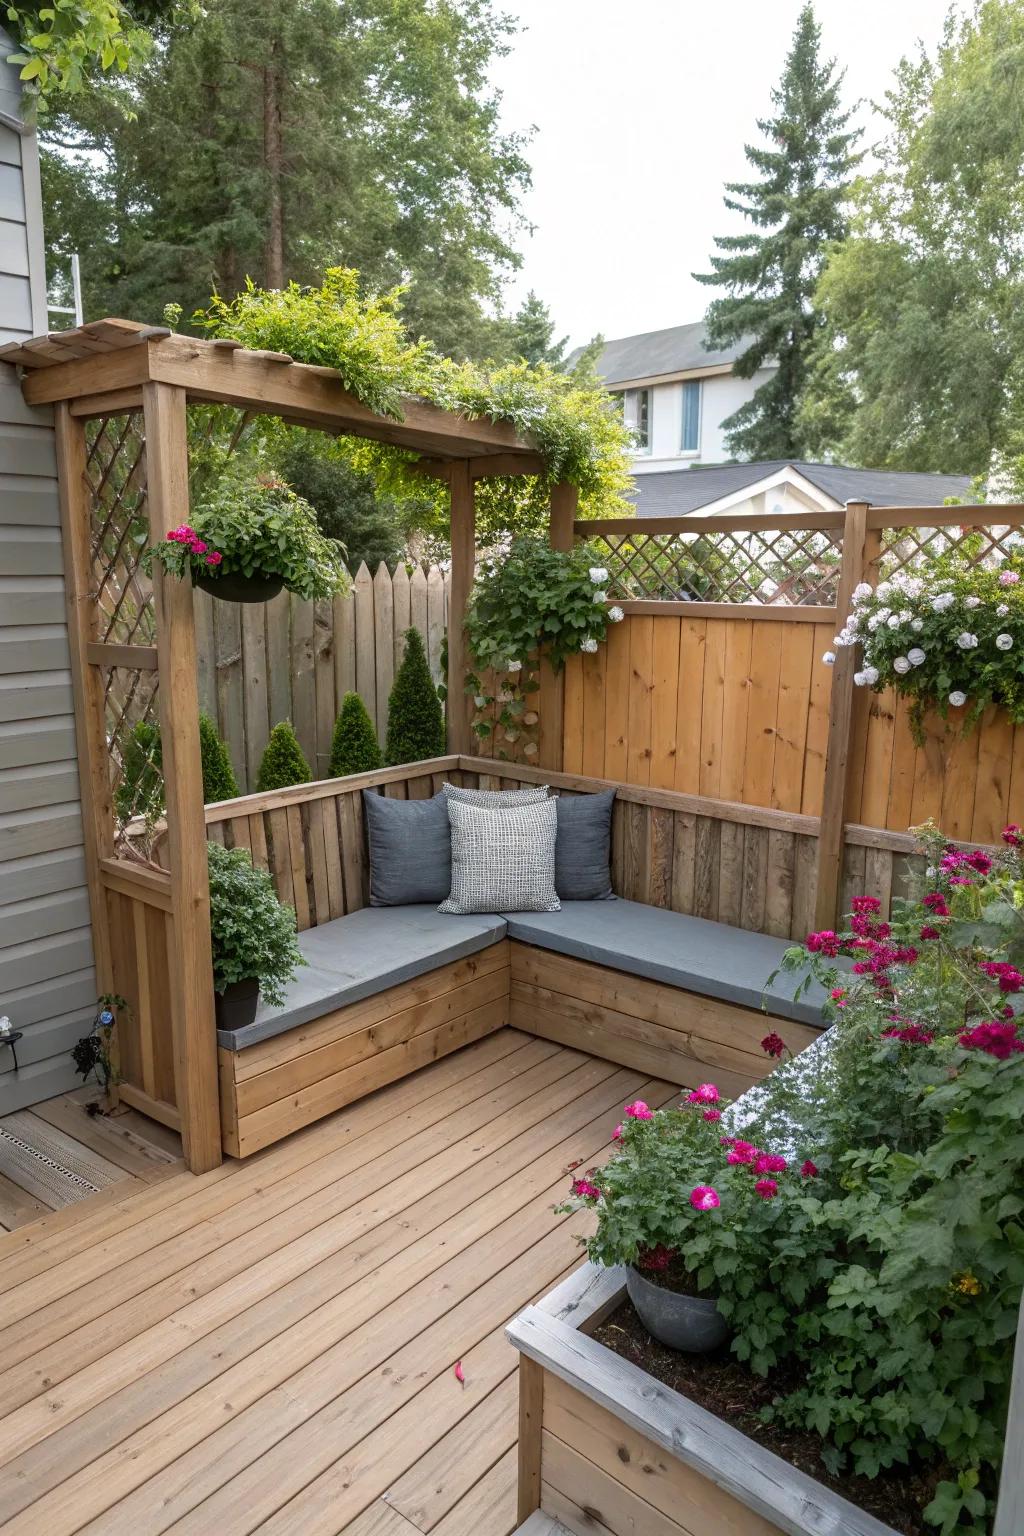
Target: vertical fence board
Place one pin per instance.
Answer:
(323, 676)
(279, 659)
(303, 679)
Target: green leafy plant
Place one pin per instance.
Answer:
(253, 933)
(283, 762)
(219, 782)
(67, 45)
(533, 601)
(141, 790)
(354, 746)
(254, 527)
(415, 717)
(948, 633)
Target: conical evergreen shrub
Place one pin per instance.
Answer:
(282, 763)
(141, 790)
(415, 716)
(354, 747)
(219, 782)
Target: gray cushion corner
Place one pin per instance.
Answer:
(364, 953)
(584, 846)
(410, 851)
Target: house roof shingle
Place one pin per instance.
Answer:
(676, 492)
(675, 350)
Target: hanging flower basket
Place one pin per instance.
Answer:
(236, 587)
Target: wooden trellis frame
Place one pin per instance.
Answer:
(151, 925)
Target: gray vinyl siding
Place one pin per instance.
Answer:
(47, 983)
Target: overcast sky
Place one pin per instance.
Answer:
(641, 110)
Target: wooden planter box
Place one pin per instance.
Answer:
(608, 1451)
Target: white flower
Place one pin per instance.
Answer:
(901, 664)
(589, 645)
(943, 601)
(916, 656)
(871, 676)
(876, 620)
(884, 590)
(917, 625)
(860, 680)
(829, 658)
(905, 615)
(861, 592)
(600, 597)
(972, 602)
(1004, 642)
(893, 621)
(616, 615)
(957, 699)
(1003, 610)
(967, 641)
(513, 666)
(598, 575)
(931, 872)
(913, 586)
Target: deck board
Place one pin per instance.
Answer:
(271, 1346)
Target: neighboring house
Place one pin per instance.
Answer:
(47, 985)
(675, 394)
(788, 486)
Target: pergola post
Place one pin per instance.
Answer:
(195, 1041)
(564, 506)
(463, 536)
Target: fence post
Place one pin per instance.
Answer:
(463, 530)
(564, 506)
(828, 881)
(191, 979)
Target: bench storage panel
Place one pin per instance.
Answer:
(287, 1081)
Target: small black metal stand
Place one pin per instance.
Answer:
(12, 1040)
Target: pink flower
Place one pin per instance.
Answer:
(657, 1258)
(1007, 975)
(770, 1162)
(767, 1188)
(639, 1111)
(704, 1198)
(707, 1093)
(910, 1034)
(215, 558)
(1008, 578)
(929, 933)
(824, 943)
(837, 994)
(617, 1133)
(1012, 836)
(808, 1170)
(936, 904)
(979, 861)
(773, 1044)
(998, 1040)
(712, 1114)
(865, 904)
(586, 1189)
(742, 1152)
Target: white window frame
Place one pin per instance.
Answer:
(690, 453)
(629, 402)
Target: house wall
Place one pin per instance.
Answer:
(721, 396)
(47, 985)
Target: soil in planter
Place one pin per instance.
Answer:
(726, 1388)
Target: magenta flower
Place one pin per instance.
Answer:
(712, 1114)
(617, 1133)
(1007, 975)
(704, 1198)
(929, 933)
(770, 1162)
(1012, 836)
(773, 1044)
(742, 1152)
(215, 558)
(657, 1258)
(865, 904)
(808, 1170)
(936, 904)
(910, 1034)
(823, 943)
(767, 1188)
(585, 1189)
(707, 1093)
(639, 1111)
(998, 1040)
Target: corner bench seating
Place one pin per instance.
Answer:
(389, 989)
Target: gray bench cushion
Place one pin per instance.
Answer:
(366, 952)
(709, 958)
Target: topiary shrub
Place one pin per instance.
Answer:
(252, 933)
(354, 747)
(219, 782)
(415, 718)
(282, 763)
(141, 790)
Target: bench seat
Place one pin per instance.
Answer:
(364, 953)
(711, 959)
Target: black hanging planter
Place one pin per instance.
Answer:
(237, 588)
(236, 1006)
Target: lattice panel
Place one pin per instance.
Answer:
(788, 568)
(905, 549)
(116, 472)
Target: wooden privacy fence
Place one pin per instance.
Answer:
(291, 659)
(714, 686)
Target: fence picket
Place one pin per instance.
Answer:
(384, 643)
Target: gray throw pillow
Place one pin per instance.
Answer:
(492, 799)
(410, 849)
(584, 848)
(503, 860)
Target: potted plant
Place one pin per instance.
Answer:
(255, 950)
(250, 538)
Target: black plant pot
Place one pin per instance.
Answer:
(236, 588)
(236, 1006)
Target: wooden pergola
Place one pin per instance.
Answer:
(111, 369)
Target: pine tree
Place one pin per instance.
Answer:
(219, 782)
(354, 747)
(770, 273)
(282, 763)
(415, 718)
(531, 334)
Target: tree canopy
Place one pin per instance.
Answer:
(796, 207)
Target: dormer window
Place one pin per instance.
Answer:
(636, 413)
(690, 439)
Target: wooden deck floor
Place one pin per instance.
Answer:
(57, 1154)
(271, 1347)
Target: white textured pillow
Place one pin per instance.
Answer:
(491, 799)
(503, 860)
